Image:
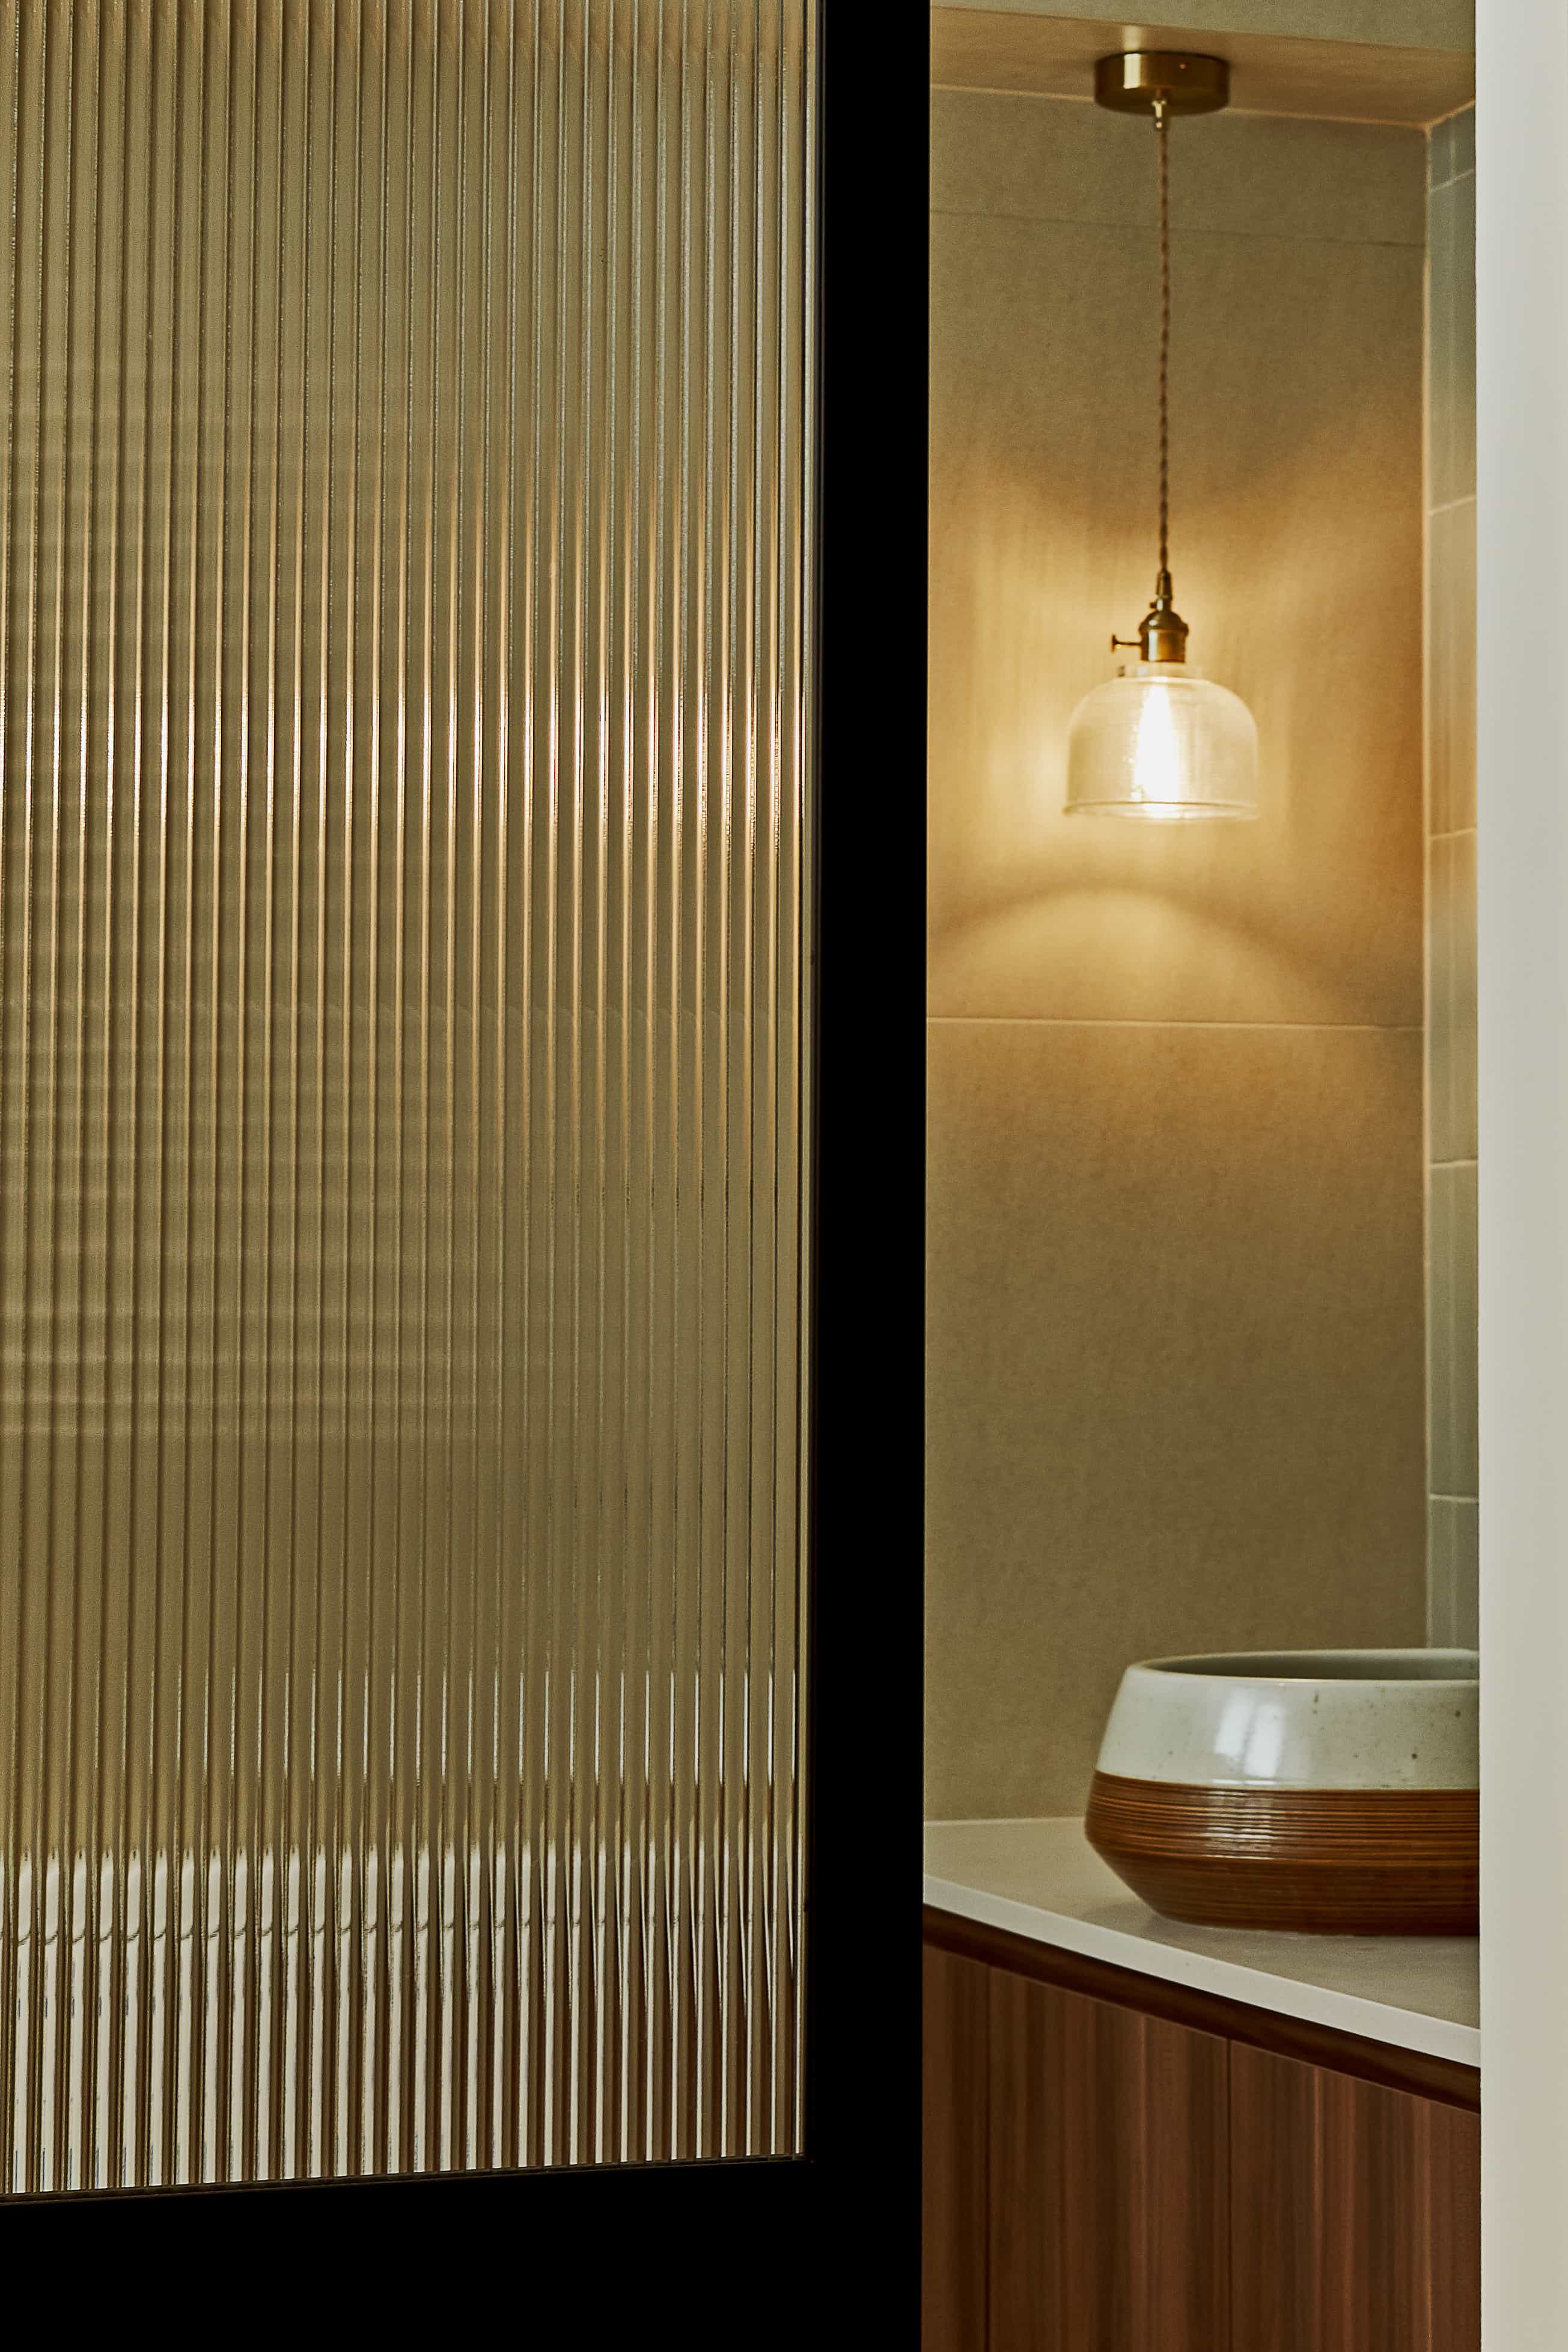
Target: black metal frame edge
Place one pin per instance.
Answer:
(848, 2212)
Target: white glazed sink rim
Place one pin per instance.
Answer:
(1317, 1666)
(1299, 1719)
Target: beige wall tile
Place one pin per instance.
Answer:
(1176, 1370)
(1296, 525)
(1005, 153)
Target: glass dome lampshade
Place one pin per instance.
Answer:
(1163, 742)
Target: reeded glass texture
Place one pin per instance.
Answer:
(403, 857)
(1161, 742)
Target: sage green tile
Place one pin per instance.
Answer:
(1463, 130)
(1451, 667)
(1453, 1580)
(1451, 148)
(1451, 1003)
(1451, 1332)
(1451, 316)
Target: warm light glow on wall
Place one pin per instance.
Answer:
(1160, 741)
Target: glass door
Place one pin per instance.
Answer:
(406, 894)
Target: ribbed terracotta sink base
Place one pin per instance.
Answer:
(1329, 1862)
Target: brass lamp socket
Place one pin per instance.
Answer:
(1136, 81)
(1162, 632)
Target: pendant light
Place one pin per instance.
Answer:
(1159, 741)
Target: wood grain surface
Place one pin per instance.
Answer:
(1099, 2178)
(1109, 2201)
(1355, 2215)
(954, 2155)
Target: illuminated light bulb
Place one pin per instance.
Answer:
(1156, 762)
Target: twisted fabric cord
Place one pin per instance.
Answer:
(1162, 132)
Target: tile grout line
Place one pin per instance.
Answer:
(1097, 1021)
(1237, 113)
(1139, 227)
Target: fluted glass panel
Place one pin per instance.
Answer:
(404, 852)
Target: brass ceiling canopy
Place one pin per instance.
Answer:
(1139, 81)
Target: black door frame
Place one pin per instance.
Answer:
(821, 2249)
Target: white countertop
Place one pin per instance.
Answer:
(1042, 1880)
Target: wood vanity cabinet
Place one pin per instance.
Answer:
(1117, 2164)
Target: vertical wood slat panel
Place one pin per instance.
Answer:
(1354, 2213)
(1109, 2217)
(405, 452)
(1129, 2181)
(955, 2152)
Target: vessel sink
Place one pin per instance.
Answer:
(1319, 1790)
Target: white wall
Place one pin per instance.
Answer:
(1521, 179)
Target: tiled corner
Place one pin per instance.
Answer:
(1451, 149)
(1453, 1610)
(1451, 1004)
(1440, 154)
(1451, 1332)
(1463, 127)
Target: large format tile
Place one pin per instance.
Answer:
(1176, 1370)
(1296, 521)
(1243, 174)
